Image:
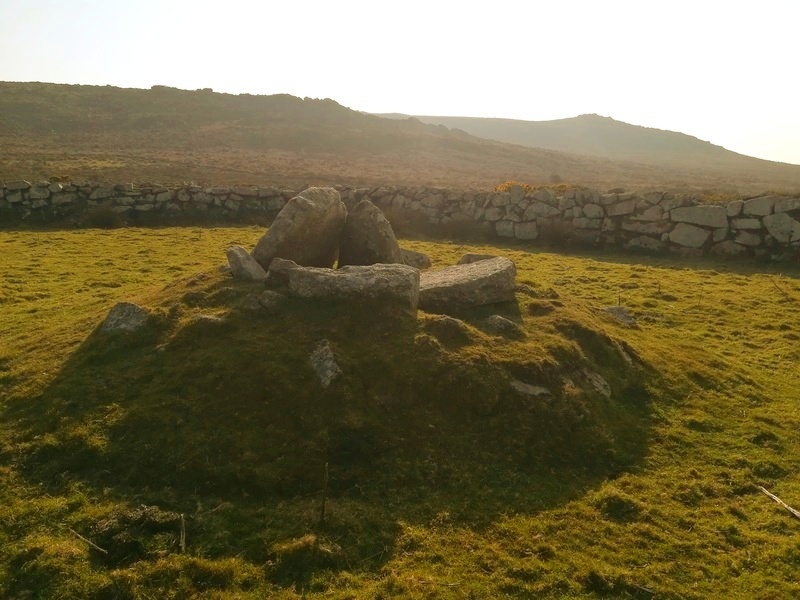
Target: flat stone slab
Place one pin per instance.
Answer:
(534, 391)
(387, 284)
(488, 281)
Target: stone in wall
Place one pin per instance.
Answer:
(584, 223)
(783, 228)
(670, 202)
(787, 205)
(644, 242)
(708, 215)
(734, 208)
(625, 207)
(13, 186)
(746, 223)
(540, 209)
(504, 228)
(747, 238)
(493, 214)
(759, 207)
(763, 226)
(652, 213)
(653, 228)
(689, 236)
(593, 211)
(728, 248)
(526, 231)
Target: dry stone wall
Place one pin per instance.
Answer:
(767, 226)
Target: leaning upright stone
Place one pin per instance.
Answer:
(368, 238)
(243, 266)
(306, 230)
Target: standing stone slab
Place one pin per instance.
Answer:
(306, 230)
(710, 216)
(243, 266)
(368, 238)
(395, 285)
(474, 284)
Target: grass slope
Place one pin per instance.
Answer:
(443, 482)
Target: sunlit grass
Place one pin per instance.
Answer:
(681, 517)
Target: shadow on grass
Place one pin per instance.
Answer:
(223, 420)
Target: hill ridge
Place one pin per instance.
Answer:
(572, 134)
(171, 135)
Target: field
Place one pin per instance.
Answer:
(109, 449)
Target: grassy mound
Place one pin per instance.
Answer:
(215, 400)
(194, 458)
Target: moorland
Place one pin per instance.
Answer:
(167, 135)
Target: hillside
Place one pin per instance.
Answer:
(188, 460)
(607, 138)
(171, 136)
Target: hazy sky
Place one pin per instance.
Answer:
(724, 71)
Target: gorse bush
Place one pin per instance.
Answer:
(507, 185)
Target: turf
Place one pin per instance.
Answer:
(443, 483)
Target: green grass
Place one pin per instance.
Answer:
(443, 482)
